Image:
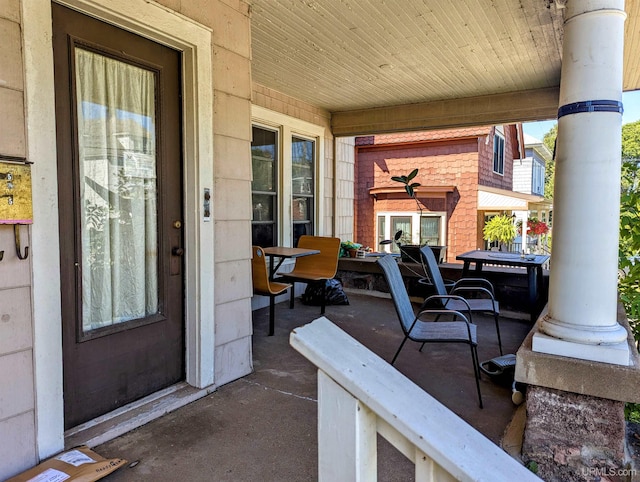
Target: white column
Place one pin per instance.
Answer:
(581, 321)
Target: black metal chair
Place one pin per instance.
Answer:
(482, 299)
(427, 326)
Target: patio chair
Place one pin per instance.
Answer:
(480, 295)
(427, 326)
(318, 267)
(262, 285)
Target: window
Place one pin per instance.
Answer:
(430, 230)
(264, 190)
(401, 223)
(302, 186)
(287, 175)
(498, 151)
(382, 230)
(537, 179)
(431, 227)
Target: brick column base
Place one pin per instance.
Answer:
(574, 437)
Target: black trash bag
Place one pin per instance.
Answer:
(335, 295)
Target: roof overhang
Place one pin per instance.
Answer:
(494, 199)
(420, 191)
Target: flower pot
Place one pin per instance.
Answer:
(410, 253)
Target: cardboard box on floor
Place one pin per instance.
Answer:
(79, 464)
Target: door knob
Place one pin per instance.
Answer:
(177, 251)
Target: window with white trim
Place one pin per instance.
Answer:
(286, 178)
(498, 150)
(432, 233)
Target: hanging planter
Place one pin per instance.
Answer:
(500, 229)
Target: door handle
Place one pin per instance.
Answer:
(176, 251)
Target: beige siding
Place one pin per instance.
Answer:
(345, 164)
(17, 406)
(230, 23)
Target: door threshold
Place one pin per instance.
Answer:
(134, 415)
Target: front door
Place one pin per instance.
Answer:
(120, 204)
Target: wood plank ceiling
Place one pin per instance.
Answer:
(349, 55)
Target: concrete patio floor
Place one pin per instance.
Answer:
(263, 426)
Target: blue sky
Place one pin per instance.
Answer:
(630, 101)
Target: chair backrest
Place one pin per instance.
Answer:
(324, 264)
(259, 270)
(433, 270)
(398, 291)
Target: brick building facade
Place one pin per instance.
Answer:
(452, 165)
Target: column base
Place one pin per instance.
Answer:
(574, 437)
(617, 353)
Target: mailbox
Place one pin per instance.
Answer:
(15, 198)
(15, 193)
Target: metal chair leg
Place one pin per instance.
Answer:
(324, 298)
(476, 371)
(272, 309)
(400, 348)
(292, 291)
(495, 316)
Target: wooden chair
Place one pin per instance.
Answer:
(317, 267)
(262, 285)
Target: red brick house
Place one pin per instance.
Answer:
(465, 175)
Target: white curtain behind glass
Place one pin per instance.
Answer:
(117, 172)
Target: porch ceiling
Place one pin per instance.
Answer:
(347, 56)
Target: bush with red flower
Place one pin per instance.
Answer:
(536, 227)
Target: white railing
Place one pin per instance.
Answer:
(361, 395)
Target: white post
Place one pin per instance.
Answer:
(347, 445)
(581, 321)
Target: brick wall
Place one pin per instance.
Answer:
(441, 162)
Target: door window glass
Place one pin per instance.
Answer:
(118, 190)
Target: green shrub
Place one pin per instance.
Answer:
(500, 228)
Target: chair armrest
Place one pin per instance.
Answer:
(485, 283)
(476, 290)
(443, 304)
(441, 312)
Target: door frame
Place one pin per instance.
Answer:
(157, 23)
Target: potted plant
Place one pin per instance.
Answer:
(501, 229)
(349, 249)
(410, 252)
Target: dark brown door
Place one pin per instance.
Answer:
(120, 203)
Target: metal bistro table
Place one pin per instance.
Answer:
(282, 253)
(533, 263)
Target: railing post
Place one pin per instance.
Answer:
(346, 435)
